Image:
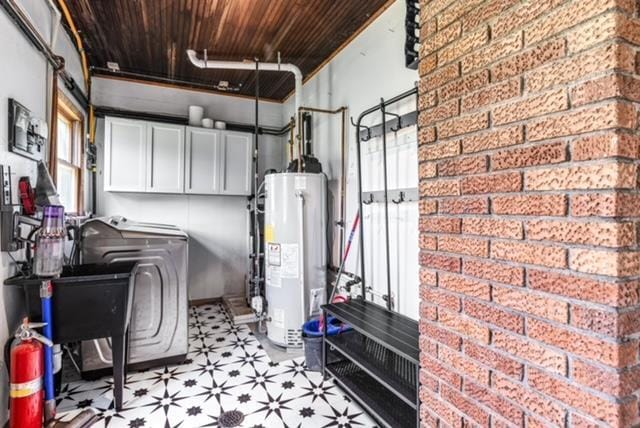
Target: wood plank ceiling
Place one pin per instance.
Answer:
(150, 37)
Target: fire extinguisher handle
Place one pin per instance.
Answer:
(42, 339)
(32, 325)
(26, 332)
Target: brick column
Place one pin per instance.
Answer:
(529, 148)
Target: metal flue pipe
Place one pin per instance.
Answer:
(239, 65)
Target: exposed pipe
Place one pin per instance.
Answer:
(292, 138)
(239, 65)
(154, 78)
(22, 21)
(21, 18)
(52, 82)
(308, 133)
(53, 127)
(257, 274)
(343, 167)
(300, 132)
(76, 35)
(301, 255)
(91, 126)
(322, 110)
(102, 111)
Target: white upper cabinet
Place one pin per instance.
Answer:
(143, 156)
(236, 165)
(203, 155)
(165, 158)
(125, 155)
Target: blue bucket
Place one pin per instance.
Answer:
(312, 327)
(312, 338)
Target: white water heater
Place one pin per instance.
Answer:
(295, 234)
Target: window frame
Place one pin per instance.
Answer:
(71, 115)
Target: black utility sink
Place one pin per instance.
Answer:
(89, 301)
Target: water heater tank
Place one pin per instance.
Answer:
(295, 234)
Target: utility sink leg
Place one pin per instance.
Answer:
(119, 352)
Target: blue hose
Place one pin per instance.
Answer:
(46, 291)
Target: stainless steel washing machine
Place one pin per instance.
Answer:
(159, 320)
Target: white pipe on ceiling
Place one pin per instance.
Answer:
(239, 65)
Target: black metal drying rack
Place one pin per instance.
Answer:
(377, 362)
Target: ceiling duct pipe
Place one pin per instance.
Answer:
(251, 66)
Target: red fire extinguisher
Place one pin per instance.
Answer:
(27, 371)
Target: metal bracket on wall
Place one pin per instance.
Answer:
(384, 127)
(393, 125)
(397, 196)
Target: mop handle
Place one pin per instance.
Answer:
(352, 234)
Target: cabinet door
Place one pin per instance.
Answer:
(125, 155)
(165, 158)
(202, 159)
(236, 163)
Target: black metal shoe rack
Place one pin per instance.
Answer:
(378, 361)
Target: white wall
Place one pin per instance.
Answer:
(217, 225)
(369, 68)
(23, 76)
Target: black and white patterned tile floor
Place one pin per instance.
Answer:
(226, 370)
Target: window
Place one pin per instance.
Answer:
(69, 157)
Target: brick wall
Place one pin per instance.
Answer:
(530, 312)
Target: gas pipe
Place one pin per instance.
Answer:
(27, 371)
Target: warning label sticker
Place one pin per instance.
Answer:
(290, 262)
(274, 254)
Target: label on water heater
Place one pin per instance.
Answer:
(274, 260)
(290, 261)
(278, 318)
(269, 233)
(274, 254)
(274, 279)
